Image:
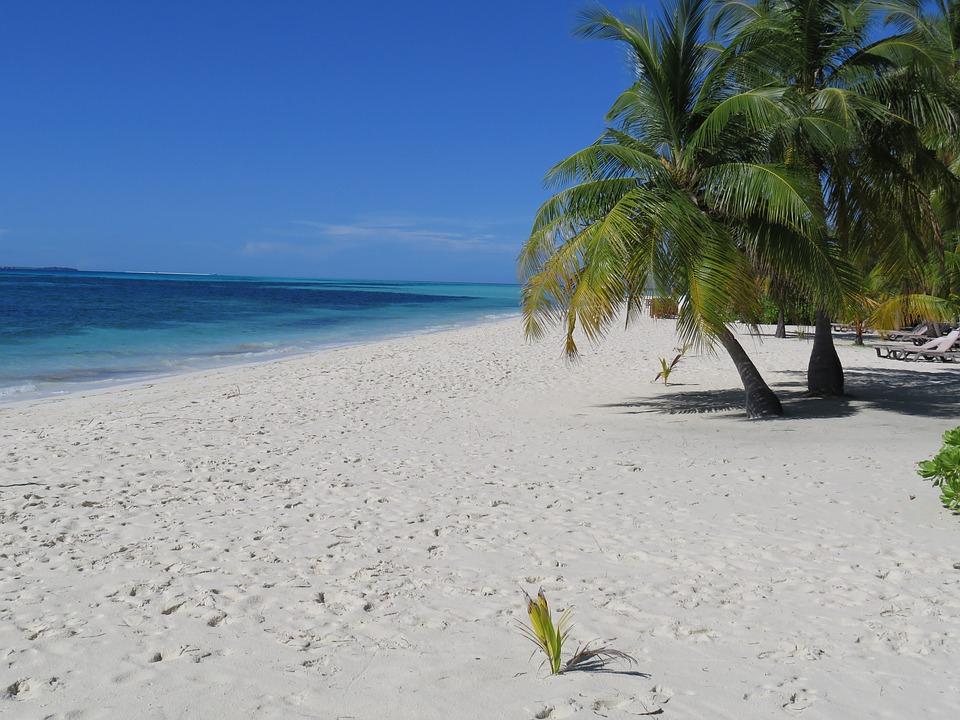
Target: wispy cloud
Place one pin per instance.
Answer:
(307, 237)
(268, 247)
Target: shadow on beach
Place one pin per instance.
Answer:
(895, 389)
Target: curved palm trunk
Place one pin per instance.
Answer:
(781, 324)
(761, 402)
(824, 373)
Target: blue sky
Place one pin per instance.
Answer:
(382, 140)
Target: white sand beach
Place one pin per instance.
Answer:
(345, 535)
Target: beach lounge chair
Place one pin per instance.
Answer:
(950, 355)
(916, 333)
(894, 350)
(937, 347)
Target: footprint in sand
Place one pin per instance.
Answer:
(558, 711)
(170, 609)
(649, 703)
(30, 688)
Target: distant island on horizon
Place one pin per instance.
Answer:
(44, 268)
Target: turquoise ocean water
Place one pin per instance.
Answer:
(63, 330)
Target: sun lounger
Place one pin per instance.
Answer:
(902, 351)
(895, 350)
(917, 333)
(947, 350)
(933, 355)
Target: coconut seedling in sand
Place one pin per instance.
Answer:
(550, 636)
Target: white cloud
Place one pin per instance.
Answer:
(306, 237)
(266, 248)
(256, 248)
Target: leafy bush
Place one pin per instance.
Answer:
(768, 311)
(663, 308)
(944, 470)
(796, 312)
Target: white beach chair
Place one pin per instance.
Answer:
(916, 333)
(938, 348)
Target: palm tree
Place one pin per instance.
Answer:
(677, 193)
(941, 30)
(912, 273)
(857, 123)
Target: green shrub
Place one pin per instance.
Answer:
(796, 312)
(663, 307)
(769, 312)
(944, 470)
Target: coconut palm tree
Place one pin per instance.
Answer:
(943, 27)
(939, 27)
(677, 193)
(858, 123)
(911, 273)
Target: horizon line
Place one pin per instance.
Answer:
(68, 269)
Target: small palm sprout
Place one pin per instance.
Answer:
(543, 632)
(666, 367)
(550, 636)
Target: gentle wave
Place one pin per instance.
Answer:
(14, 390)
(94, 374)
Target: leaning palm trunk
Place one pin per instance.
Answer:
(824, 373)
(761, 402)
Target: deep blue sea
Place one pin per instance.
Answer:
(63, 331)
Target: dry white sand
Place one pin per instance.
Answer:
(344, 535)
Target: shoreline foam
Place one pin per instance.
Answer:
(32, 393)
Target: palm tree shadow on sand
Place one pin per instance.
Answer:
(899, 390)
(610, 671)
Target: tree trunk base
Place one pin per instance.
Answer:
(761, 406)
(760, 402)
(781, 325)
(825, 372)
